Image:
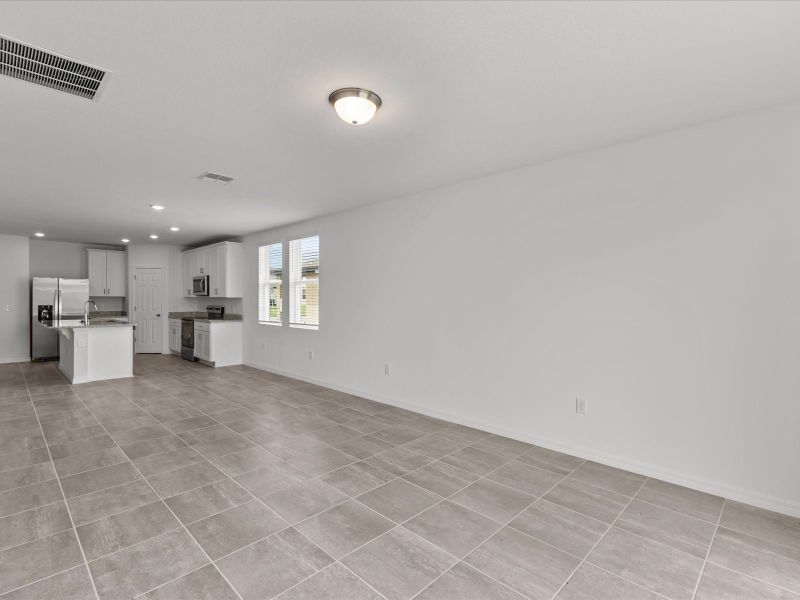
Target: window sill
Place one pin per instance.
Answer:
(301, 326)
(273, 323)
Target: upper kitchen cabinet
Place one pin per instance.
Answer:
(106, 272)
(222, 263)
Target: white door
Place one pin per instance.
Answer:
(147, 310)
(115, 273)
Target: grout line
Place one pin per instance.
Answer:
(63, 496)
(708, 552)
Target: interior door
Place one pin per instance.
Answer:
(147, 310)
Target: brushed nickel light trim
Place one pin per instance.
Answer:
(355, 92)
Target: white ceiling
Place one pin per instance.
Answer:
(241, 89)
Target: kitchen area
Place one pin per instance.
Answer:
(95, 323)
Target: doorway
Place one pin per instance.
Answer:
(147, 310)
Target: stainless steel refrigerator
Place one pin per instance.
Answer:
(54, 302)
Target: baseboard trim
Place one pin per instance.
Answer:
(765, 501)
(14, 359)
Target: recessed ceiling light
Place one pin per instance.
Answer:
(174, 228)
(153, 236)
(156, 207)
(124, 240)
(355, 105)
(39, 234)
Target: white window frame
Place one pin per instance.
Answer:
(283, 283)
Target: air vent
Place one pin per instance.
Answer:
(216, 177)
(48, 69)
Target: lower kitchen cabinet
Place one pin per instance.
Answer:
(218, 342)
(174, 335)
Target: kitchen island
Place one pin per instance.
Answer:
(96, 352)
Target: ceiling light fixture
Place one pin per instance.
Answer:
(153, 236)
(124, 240)
(156, 207)
(39, 234)
(355, 105)
(174, 228)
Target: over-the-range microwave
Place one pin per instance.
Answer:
(200, 285)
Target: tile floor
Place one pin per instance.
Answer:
(193, 483)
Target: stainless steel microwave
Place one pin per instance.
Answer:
(200, 285)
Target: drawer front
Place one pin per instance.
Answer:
(199, 326)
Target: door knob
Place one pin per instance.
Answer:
(158, 314)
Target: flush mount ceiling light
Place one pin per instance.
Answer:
(124, 240)
(156, 207)
(39, 234)
(174, 228)
(355, 105)
(153, 236)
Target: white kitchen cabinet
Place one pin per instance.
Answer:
(106, 272)
(175, 335)
(223, 263)
(218, 342)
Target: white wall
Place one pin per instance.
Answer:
(68, 259)
(14, 300)
(657, 279)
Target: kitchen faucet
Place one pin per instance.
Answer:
(86, 311)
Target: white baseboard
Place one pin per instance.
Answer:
(14, 359)
(755, 498)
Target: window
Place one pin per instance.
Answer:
(304, 282)
(270, 283)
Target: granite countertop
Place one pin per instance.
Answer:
(203, 316)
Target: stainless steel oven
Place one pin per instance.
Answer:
(200, 285)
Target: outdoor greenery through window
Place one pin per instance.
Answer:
(270, 283)
(304, 282)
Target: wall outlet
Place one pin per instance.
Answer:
(580, 406)
(387, 369)
(9, 308)
(310, 355)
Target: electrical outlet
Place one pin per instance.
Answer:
(9, 308)
(310, 355)
(387, 369)
(580, 406)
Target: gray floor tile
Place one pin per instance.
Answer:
(343, 528)
(434, 446)
(40, 558)
(398, 564)
(441, 478)
(79, 463)
(764, 524)
(357, 478)
(587, 499)
(207, 501)
(334, 582)
(398, 434)
(33, 524)
(236, 527)
(23, 458)
(92, 481)
(113, 533)
(204, 584)
(141, 433)
(93, 444)
(364, 446)
(526, 565)
(503, 446)
(656, 566)
(592, 583)
(550, 460)
(74, 584)
(177, 481)
(24, 476)
(334, 434)
(609, 478)
(685, 500)
(104, 503)
(207, 434)
(233, 443)
(561, 527)
(273, 565)
(270, 479)
(475, 461)
(453, 528)
(145, 566)
(669, 527)
(167, 461)
(304, 500)
(493, 500)
(143, 448)
(249, 459)
(399, 500)
(525, 478)
(769, 562)
(28, 497)
(198, 422)
(721, 584)
(463, 582)
(399, 460)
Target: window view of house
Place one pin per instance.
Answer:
(304, 282)
(270, 283)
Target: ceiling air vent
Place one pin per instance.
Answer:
(216, 177)
(48, 69)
